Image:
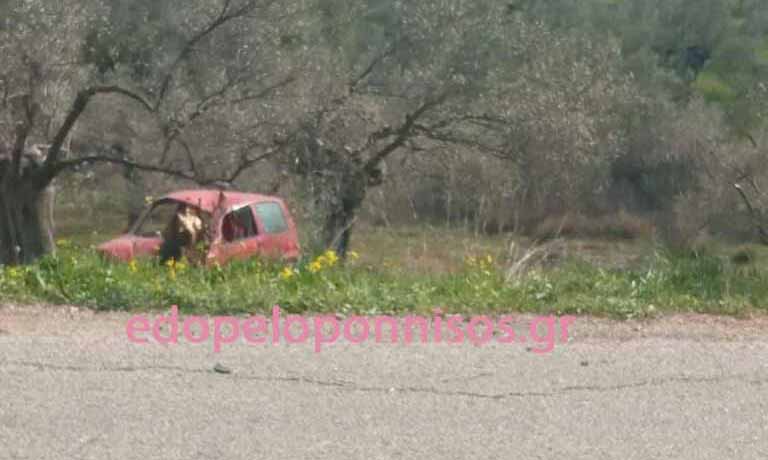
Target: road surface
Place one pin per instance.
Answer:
(685, 387)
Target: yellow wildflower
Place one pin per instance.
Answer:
(330, 258)
(181, 265)
(315, 266)
(287, 273)
(353, 255)
(133, 266)
(14, 272)
(171, 264)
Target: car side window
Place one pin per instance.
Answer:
(238, 224)
(272, 217)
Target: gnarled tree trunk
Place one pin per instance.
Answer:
(339, 184)
(24, 232)
(342, 210)
(26, 207)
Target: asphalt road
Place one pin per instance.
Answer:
(686, 387)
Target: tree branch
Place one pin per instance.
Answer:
(243, 166)
(209, 102)
(405, 131)
(78, 107)
(221, 19)
(22, 133)
(430, 133)
(372, 66)
(30, 111)
(246, 163)
(72, 164)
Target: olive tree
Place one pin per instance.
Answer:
(220, 70)
(447, 73)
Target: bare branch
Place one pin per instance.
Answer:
(430, 133)
(225, 16)
(73, 164)
(210, 101)
(405, 131)
(190, 157)
(78, 107)
(247, 163)
(264, 92)
(372, 66)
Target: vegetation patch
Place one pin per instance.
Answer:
(668, 283)
(713, 88)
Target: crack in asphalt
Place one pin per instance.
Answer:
(755, 380)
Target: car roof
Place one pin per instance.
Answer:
(209, 200)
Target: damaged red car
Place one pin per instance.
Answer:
(222, 225)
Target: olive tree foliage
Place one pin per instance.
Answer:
(454, 76)
(564, 108)
(207, 88)
(39, 48)
(213, 71)
(698, 174)
(742, 165)
(686, 48)
(550, 120)
(370, 95)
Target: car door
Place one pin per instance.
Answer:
(146, 237)
(239, 235)
(146, 247)
(278, 240)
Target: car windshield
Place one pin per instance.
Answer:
(157, 219)
(160, 217)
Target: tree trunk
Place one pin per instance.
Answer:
(24, 232)
(337, 231)
(136, 193)
(338, 185)
(340, 218)
(47, 205)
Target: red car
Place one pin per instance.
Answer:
(237, 225)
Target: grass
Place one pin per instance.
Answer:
(409, 269)
(452, 271)
(713, 88)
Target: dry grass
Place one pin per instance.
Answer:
(620, 225)
(439, 250)
(423, 249)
